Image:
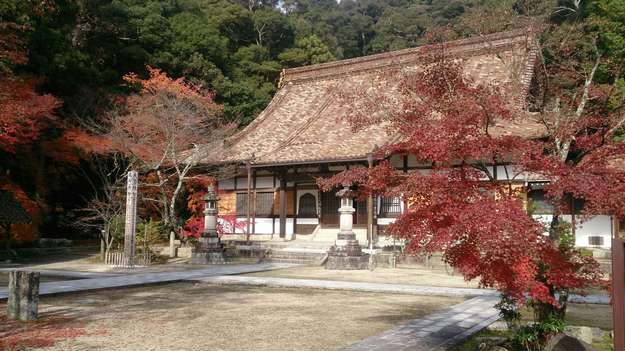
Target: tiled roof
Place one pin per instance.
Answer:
(303, 123)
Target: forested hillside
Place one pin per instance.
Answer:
(62, 63)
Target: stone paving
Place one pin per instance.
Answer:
(62, 273)
(344, 285)
(375, 287)
(437, 331)
(147, 278)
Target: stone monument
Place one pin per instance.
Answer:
(346, 254)
(209, 249)
(130, 232)
(23, 299)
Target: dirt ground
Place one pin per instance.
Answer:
(414, 276)
(187, 316)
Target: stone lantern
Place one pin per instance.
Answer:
(346, 253)
(209, 249)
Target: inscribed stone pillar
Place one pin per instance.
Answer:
(346, 254)
(131, 219)
(23, 300)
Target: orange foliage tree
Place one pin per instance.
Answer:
(165, 129)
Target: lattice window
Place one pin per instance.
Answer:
(390, 207)
(595, 240)
(241, 204)
(264, 204)
(307, 206)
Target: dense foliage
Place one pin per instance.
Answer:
(64, 61)
(62, 64)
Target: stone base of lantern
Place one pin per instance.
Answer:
(204, 257)
(208, 250)
(345, 263)
(347, 254)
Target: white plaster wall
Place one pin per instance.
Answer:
(242, 226)
(226, 184)
(385, 221)
(241, 182)
(263, 225)
(595, 226)
(289, 226)
(264, 182)
(307, 221)
(515, 173)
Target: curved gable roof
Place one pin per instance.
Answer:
(304, 124)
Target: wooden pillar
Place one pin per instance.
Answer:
(23, 300)
(370, 208)
(248, 209)
(618, 301)
(282, 205)
(618, 286)
(294, 210)
(254, 202)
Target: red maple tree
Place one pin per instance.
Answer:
(456, 205)
(163, 129)
(24, 112)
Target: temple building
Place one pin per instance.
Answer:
(301, 135)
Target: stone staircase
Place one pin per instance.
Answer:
(297, 251)
(328, 234)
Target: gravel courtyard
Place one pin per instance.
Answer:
(188, 316)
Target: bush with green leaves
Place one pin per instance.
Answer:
(149, 233)
(533, 337)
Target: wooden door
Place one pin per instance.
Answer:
(360, 216)
(330, 204)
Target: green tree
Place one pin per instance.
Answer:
(307, 51)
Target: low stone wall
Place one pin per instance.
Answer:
(183, 252)
(42, 251)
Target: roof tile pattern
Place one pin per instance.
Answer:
(304, 122)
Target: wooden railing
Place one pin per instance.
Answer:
(117, 259)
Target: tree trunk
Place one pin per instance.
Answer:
(172, 204)
(102, 245)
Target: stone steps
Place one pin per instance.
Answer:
(328, 234)
(300, 256)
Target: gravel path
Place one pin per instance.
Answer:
(196, 316)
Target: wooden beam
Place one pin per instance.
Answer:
(283, 205)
